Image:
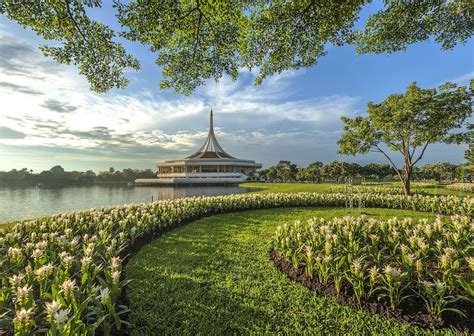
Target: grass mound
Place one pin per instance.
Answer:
(425, 268)
(214, 277)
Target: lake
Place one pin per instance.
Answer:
(18, 203)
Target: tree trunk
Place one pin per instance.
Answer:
(406, 178)
(407, 170)
(406, 185)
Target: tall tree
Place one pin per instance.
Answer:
(286, 170)
(314, 171)
(407, 124)
(335, 170)
(377, 171)
(196, 40)
(441, 171)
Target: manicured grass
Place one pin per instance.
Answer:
(436, 189)
(214, 276)
(266, 188)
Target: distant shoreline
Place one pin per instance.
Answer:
(53, 185)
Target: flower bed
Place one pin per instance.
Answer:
(375, 189)
(63, 274)
(466, 187)
(424, 269)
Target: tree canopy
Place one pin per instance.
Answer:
(407, 124)
(196, 40)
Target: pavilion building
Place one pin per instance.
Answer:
(211, 164)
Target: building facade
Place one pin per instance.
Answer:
(209, 165)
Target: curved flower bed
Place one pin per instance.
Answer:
(62, 275)
(375, 189)
(466, 187)
(364, 260)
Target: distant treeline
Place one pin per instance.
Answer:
(283, 171)
(286, 171)
(57, 176)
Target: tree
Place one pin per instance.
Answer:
(333, 170)
(286, 171)
(402, 23)
(272, 173)
(469, 155)
(196, 40)
(407, 124)
(441, 171)
(313, 172)
(377, 171)
(57, 170)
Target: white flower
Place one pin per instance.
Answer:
(373, 273)
(115, 277)
(115, 262)
(470, 262)
(356, 265)
(14, 252)
(68, 287)
(22, 293)
(44, 271)
(15, 280)
(61, 316)
(439, 285)
(37, 253)
(23, 315)
(52, 307)
(104, 294)
(42, 245)
(418, 266)
(392, 272)
(86, 261)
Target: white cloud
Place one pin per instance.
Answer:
(463, 79)
(51, 104)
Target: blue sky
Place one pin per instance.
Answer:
(48, 115)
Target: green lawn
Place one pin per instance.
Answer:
(436, 189)
(214, 276)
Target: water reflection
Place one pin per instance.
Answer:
(17, 203)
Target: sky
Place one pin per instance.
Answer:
(49, 116)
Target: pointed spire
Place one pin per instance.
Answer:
(211, 148)
(211, 122)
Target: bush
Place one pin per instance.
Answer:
(386, 261)
(63, 274)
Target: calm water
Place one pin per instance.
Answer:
(17, 203)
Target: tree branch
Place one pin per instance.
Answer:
(422, 152)
(198, 34)
(412, 153)
(208, 22)
(396, 146)
(298, 19)
(78, 28)
(391, 162)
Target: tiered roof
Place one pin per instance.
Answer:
(211, 148)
